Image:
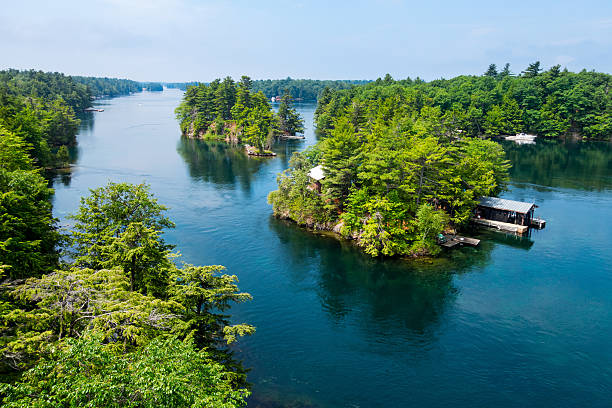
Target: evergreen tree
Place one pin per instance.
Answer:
(492, 71)
(119, 225)
(532, 70)
(289, 120)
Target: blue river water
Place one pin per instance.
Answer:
(515, 322)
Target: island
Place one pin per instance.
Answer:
(230, 111)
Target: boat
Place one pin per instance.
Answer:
(522, 138)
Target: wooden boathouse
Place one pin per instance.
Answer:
(507, 215)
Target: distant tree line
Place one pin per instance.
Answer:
(99, 87)
(548, 103)
(153, 86)
(301, 89)
(180, 85)
(231, 111)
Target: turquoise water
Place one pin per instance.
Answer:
(512, 323)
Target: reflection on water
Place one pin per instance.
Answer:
(409, 297)
(569, 164)
(524, 242)
(219, 163)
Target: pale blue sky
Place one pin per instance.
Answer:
(185, 40)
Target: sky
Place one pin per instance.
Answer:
(198, 40)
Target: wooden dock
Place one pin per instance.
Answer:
(502, 226)
(291, 137)
(538, 223)
(452, 240)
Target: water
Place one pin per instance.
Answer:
(512, 323)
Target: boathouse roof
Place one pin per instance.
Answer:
(316, 173)
(506, 205)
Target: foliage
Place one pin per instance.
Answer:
(295, 198)
(289, 121)
(119, 225)
(429, 222)
(202, 291)
(100, 87)
(27, 228)
(300, 89)
(153, 86)
(549, 103)
(164, 373)
(121, 309)
(14, 152)
(66, 304)
(40, 108)
(226, 110)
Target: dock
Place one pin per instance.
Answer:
(538, 223)
(502, 226)
(291, 137)
(452, 240)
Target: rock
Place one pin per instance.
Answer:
(338, 227)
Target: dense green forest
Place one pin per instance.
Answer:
(180, 85)
(231, 111)
(301, 89)
(39, 109)
(548, 103)
(392, 184)
(99, 87)
(117, 321)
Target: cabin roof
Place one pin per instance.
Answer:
(507, 205)
(316, 173)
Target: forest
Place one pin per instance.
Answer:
(301, 89)
(550, 103)
(104, 313)
(231, 111)
(110, 87)
(40, 109)
(153, 86)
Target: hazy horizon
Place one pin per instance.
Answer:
(188, 40)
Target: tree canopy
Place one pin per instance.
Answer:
(397, 170)
(230, 111)
(121, 308)
(548, 103)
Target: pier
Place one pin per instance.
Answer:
(449, 241)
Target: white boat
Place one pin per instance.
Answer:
(522, 138)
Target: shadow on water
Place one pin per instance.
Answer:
(565, 164)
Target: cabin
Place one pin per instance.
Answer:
(507, 215)
(315, 175)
